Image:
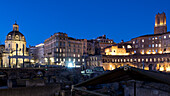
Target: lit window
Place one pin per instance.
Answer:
(142, 51)
(63, 55)
(69, 59)
(156, 50)
(146, 59)
(159, 45)
(128, 46)
(143, 40)
(152, 45)
(78, 60)
(142, 60)
(74, 60)
(57, 59)
(60, 50)
(164, 37)
(131, 60)
(135, 60)
(64, 59)
(158, 59)
(156, 38)
(152, 38)
(133, 42)
(149, 45)
(154, 59)
(83, 60)
(142, 46)
(138, 60)
(134, 51)
(78, 55)
(156, 45)
(150, 59)
(74, 55)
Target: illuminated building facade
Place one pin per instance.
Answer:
(151, 52)
(160, 23)
(15, 47)
(96, 46)
(37, 52)
(114, 50)
(60, 49)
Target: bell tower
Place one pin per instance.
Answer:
(160, 23)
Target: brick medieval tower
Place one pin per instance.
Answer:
(160, 23)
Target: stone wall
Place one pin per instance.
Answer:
(31, 91)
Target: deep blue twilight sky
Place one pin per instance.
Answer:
(83, 19)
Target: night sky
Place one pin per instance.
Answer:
(82, 19)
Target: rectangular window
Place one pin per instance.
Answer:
(149, 45)
(152, 45)
(143, 40)
(150, 59)
(146, 59)
(142, 46)
(138, 60)
(152, 38)
(156, 45)
(134, 52)
(164, 37)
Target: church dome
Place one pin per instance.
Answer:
(15, 34)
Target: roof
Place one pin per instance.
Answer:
(13, 34)
(148, 35)
(2, 45)
(128, 73)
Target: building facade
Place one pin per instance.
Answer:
(14, 54)
(60, 49)
(150, 52)
(96, 46)
(37, 53)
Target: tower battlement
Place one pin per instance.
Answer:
(160, 23)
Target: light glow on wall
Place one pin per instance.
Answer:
(161, 69)
(70, 65)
